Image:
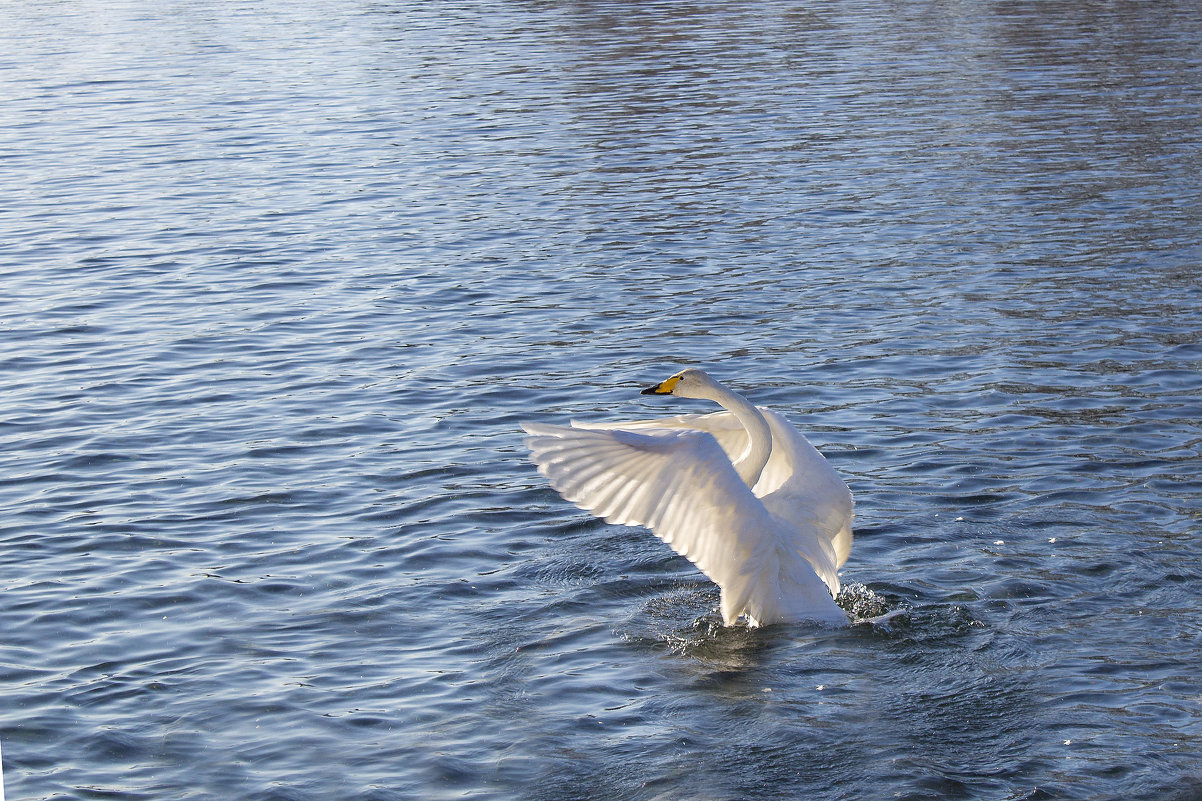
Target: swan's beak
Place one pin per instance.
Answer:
(662, 388)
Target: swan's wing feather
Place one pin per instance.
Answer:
(677, 482)
(724, 427)
(799, 487)
(795, 476)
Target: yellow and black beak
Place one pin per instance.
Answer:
(662, 388)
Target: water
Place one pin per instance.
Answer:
(280, 281)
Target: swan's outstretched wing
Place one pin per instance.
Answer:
(678, 483)
(724, 426)
(795, 469)
(798, 486)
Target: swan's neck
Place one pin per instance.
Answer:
(751, 462)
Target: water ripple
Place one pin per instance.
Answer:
(281, 283)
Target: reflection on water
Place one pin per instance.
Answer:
(280, 282)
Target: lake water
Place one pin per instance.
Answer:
(281, 280)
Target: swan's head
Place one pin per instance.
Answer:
(690, 383)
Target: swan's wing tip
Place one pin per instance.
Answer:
(558, 430)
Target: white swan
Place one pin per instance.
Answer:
(741, 493)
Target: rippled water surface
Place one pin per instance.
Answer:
(281, 280)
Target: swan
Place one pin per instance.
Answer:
(740, 493)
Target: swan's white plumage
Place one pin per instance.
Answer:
(773, 549)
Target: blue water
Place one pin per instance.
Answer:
(281, 280)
